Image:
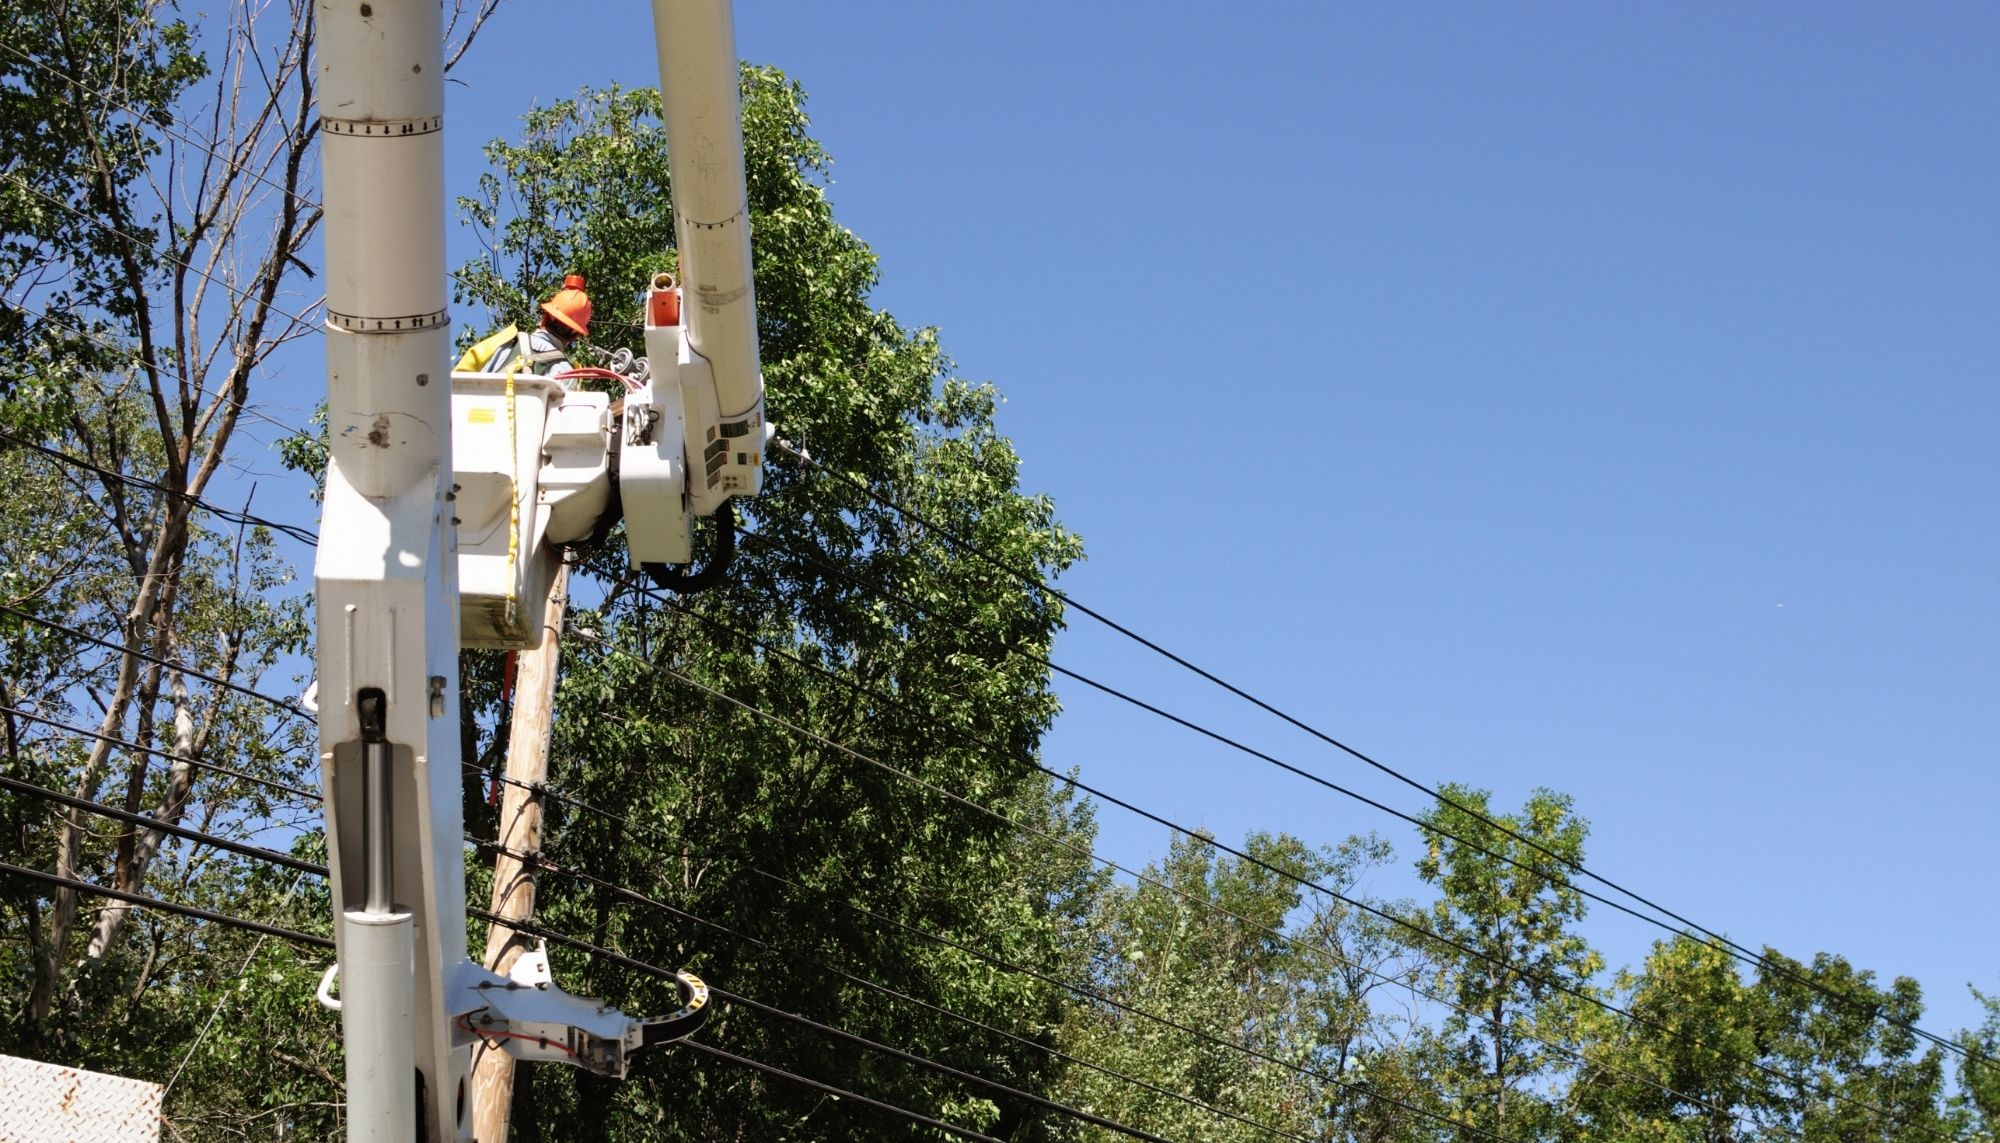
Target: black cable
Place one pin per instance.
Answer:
(721, 551)
(839, 1093)
(1010, 822)
(823, 965)
(855, 1038)
(145, 821)
(146, 902)
(1375, 911)
(286, 705)
(1712, 939)
(535, 930)
(281, 787)
(295, 531)
(141, 359)
(999, 753)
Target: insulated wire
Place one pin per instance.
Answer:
(280, 787)
(969, 803)
(1365, 1090)
(305, 867)
(250, 692)
(295, 531)
(999, 753)
(1034, 582)
(532, 787)
(313, 941)
(145, 821)
(141, 359)
(145, 902)
(1375, 911)
(548, 866)
(838, 1093)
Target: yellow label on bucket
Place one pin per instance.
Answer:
(479, 416)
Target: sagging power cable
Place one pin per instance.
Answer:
(1000, 754)
(1704, 934)
(545, 865)
(1573, 991)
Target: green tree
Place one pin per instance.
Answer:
(1684, 1067)
(1842, 1063)
(1977, 1102)
(1244, 957)
(879, 636)
(155, 208)
(1508, 955)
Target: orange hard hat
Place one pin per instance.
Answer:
(570, 305)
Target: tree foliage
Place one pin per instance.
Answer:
(819, 785)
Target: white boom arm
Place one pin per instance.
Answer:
(386, 574)
(695, 435)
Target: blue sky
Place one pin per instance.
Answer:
(1592, 397)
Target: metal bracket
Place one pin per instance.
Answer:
(525, 1015)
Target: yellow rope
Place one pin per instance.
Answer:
(514, 502)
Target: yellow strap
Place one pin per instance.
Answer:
(514, 502)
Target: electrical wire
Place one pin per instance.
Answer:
(144, 821)
(795, 729)
(540, 862)
(174, 907)
(1572, 991)
(1709, 937)
(248, 519)
(999, 753)
(249, 692)
(1364, 1089)
(280, 787)
(1239, 746)
(861, 1041)
(839, 1093)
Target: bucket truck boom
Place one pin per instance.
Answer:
(481, 477)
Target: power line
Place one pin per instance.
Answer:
(1206, 732)
(1709, 937)
(1010, 822)
(1572, 991)
(280, 787)
(544, 933)
(302, 866)
(999, 753)
(839, 1093)
(141, 359)
(232, 515)
(542, 863)
(75, 633)
(145, 821)
(145, 902)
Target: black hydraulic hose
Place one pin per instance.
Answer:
(683, 582)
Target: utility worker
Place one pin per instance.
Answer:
(565, 317)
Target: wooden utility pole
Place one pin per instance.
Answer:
(520, 832)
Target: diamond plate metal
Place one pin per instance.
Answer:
(44, 1103)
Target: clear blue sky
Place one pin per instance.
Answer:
(1597, 397)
